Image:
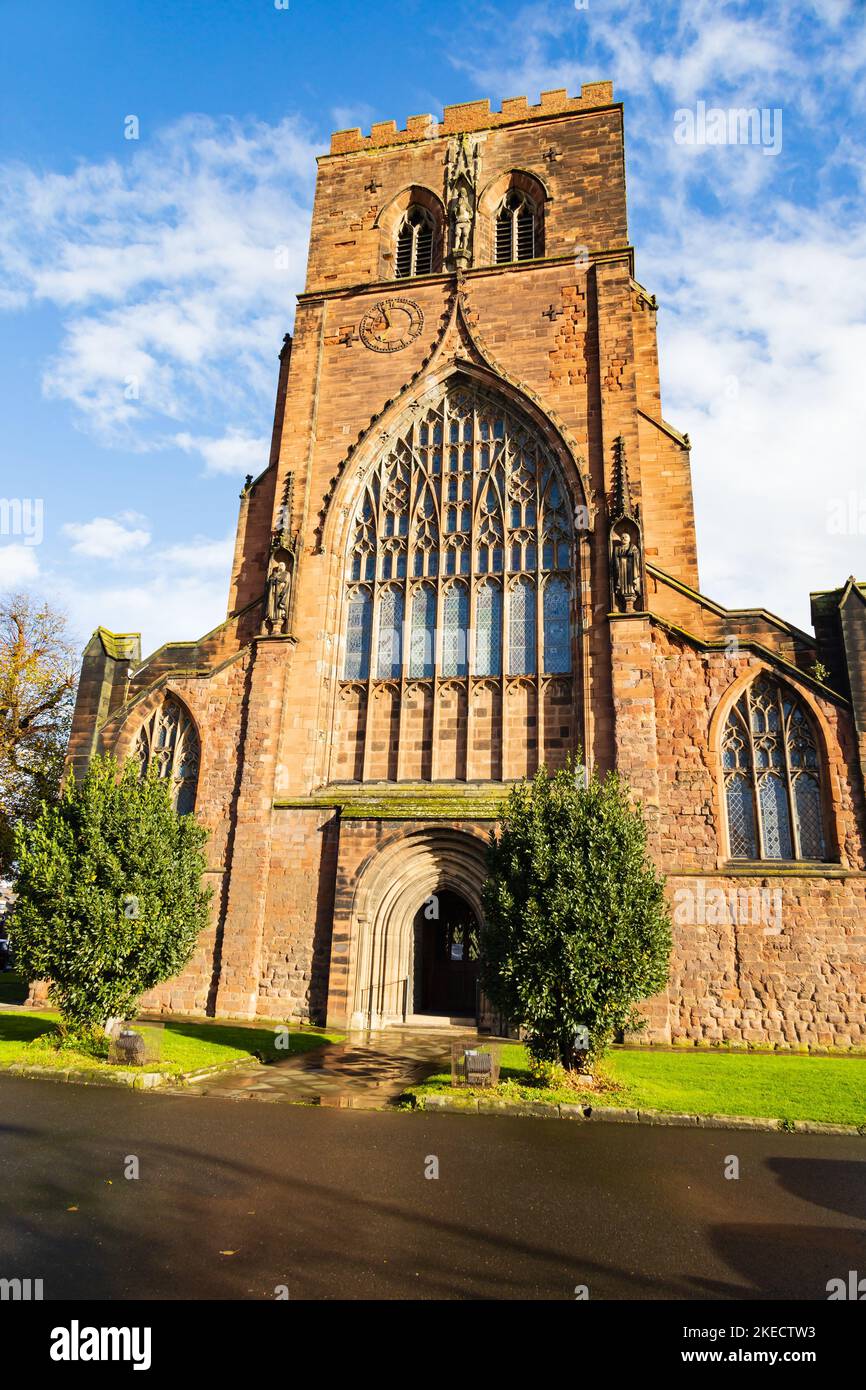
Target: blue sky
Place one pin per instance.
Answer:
(142, 302)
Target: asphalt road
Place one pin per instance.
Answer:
(234, 1199)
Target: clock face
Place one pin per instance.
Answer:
(391, 325)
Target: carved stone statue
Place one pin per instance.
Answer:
(626, 568)
(461, 222)
(461, 182)
(625, 539)
(277, 600)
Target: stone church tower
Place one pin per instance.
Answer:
(472, 551)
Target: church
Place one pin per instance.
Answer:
(472, 552)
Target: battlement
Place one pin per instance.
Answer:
(472, 115)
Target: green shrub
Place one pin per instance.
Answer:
(576, 927)
(110, 897)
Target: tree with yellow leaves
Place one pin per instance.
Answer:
(37, 694)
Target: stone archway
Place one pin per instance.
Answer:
(393, 886)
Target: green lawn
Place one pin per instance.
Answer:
(769, 1085)
(184, 1046)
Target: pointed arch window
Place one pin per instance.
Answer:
(359, 629)
(772, 777)
(488, 629)
(521, 637)
(455, 631)
(557, 628)
(515, 228)
(423, 633)
(465, 516)
(169, 738)
(415, 243)
(390, 662)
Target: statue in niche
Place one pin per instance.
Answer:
(625, 543)
(278, 592)
(282, 564)
(461, 182)
(461, 220)
(625, 557)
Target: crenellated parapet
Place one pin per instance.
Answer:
(473, 115)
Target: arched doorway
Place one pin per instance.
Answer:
(446, 957)
(393, 965)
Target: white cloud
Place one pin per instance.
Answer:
(106, 538)
(234, 452)
(165, 270)
(165, 606)
(201, 556)
(18, 565)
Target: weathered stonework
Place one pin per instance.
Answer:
(338, 806)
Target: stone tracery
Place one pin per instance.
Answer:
(772, 776)
(461, 556)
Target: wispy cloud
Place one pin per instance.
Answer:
(165, 269)
(19, 565)
(106, 538)
(234, 452)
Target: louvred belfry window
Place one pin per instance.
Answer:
(515, 228)
(772, 777)
(169, 738)
(463, 530)
(415, 244)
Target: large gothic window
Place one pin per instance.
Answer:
(772, 777)
(169, 737)
(463, 534)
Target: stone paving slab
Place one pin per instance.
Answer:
(368, 1071)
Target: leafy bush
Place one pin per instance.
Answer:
(577, 929)
(110, 898)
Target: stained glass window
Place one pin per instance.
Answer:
(557, 628)
(455, 634)
(521, 640)
(469, 495)
(358, 631)
(390, 661)
(772, 777)
(423, 631)
(488, 630)
(169, 738)
(741, 817)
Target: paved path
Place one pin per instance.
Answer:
(366, 1072)
(335, 1203)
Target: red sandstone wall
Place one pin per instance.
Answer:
(788, 968)
(801, 985)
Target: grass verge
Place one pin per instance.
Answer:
(831, 1090)
(33, 1039)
